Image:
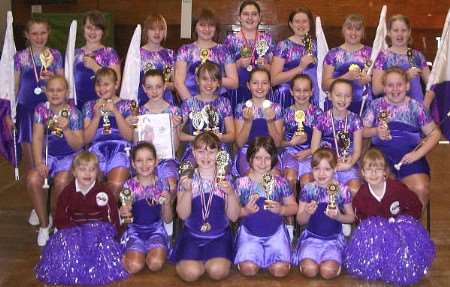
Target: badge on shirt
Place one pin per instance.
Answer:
(101, 199)
(395, 208)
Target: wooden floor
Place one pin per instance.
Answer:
(19, 252)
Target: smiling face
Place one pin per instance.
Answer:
(259, 84)
(205, 30)
(250, 18)
(207, 84)
(154, 87)
(37, 34)
(341, 96)
(156, 34)
(323, 173)
(85, 173)
(300, 24)
(106, 87)
(395, 87)
(56, 91)
(374, 172)
(399, 33)
(92, 33)
(301, 91)
(353, 33)
(205, 157)
(144, 162)
(261, 162)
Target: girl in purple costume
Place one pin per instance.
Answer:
(320, 246)
(106, 130)
(145, 240)
(334, 126)
(262, 239)
(292, 58)
(399, 136)
(256, 117)
(350, 61)
(31, 78)
(154, 88)
(156, 57)
(390, 244)
(83, 251)
(209, 79)
(242, 48)
(205, 48)
(91, 57)
(206, 206)
(63, 138)
(399, 54)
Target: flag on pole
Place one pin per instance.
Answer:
(131, 71)
(322, 50)
(69, 71)
(439, 80)
(7, 91)
(379, 43)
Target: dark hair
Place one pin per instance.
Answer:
(151, 22)
(212, 69)
(105, 72)
(324, 154)
(140, 146)
(153, 73)
(395, 70)
(248, 3)
(206, 15)
(96, 18)
(301, 77)
(266, 143)
(341, 81)
(208, 139)
(403, 19)
(307, 12)
(256, 70)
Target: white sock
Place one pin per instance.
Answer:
(169, 228)
(290, 229)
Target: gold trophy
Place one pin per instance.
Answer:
(134, 110)
(126, 198)
(53, 123)
(308, 43)
(222, 160)
(383, 118)
(409, 54)
(186, 169)
(167, 73)
(46, 58)
(149, 66)
(354, 68)
(198, 122)
(332, 190)
(211, 118)
(105, 118)
(343, 139)
(204, 55)
(299, 118)
(268, 182)
(245, 52)
(261, 48)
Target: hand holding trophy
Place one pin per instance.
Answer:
(268, 185)
(332, 190)
(383, 118)
(299, 118)
(126, 198)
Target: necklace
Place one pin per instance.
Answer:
(206, 206)
(249, 50)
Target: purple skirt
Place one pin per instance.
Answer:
(59, 164)
(24, 123)
(167, 168)
(144, 238)
(87, 254)
(192, 247)
(263, 251)
(345, 176)
(288, 161)
(398, 251)
(111, 154)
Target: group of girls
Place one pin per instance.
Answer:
(265, 98)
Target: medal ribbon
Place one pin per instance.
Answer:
(206, 206)
(252, 60)
(34, 66)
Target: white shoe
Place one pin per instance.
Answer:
(346, 229)
(33, 219)
(169, 228)
(50, 221)
(43, 236)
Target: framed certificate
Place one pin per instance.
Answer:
(157, 129)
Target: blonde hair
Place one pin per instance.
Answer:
(324, 154)
(374, 158)
(85, 157)
(354, 20)
(395, 70)
(59, 78)
(152, 22)
(401, 18)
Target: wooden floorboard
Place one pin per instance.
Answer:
(19, 252)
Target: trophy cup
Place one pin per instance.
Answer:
(211, 118)
(354, 68)
(186, 169)
(126, 198)
(198, 122)
(409, 54)
(105, 119)
(167, 73)
(222, 159)
(299, 118)
(383, 118)
(261, 48)
(307, 42)
(343, 139)
(204, 55)
(134, 111)
(245, 52)
(149, 66)
(46, 58)
(332, 190)
(268, 182)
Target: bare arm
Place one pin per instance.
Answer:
(230, 81)
(315, 140)
(377, 82)
(180, 77)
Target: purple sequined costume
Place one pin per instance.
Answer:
(341, 60)
(288, 160)
(190, 54)
(84, 77)
(192, 243)
(6, 137)
(262, 237)
(259, 128)
(166, 167)
(387, 59)
(324, 125)
(161, 60)
(26, 98)
(60, 154)
(292, 53)
(405, 122)
(147, 230)
(322, 240)
(234, 45)
(109, 148)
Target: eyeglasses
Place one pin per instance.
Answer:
(374, 170)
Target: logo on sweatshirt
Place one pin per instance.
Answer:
(101, 199)
(395, 208)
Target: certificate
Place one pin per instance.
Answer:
(157, 129)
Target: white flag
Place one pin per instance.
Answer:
(132, 69)
(322, 50)
(69, 68)
(379, 43)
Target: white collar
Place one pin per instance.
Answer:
(379, 198)
(83, 191)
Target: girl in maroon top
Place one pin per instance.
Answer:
(83, 251)
(389, 244)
